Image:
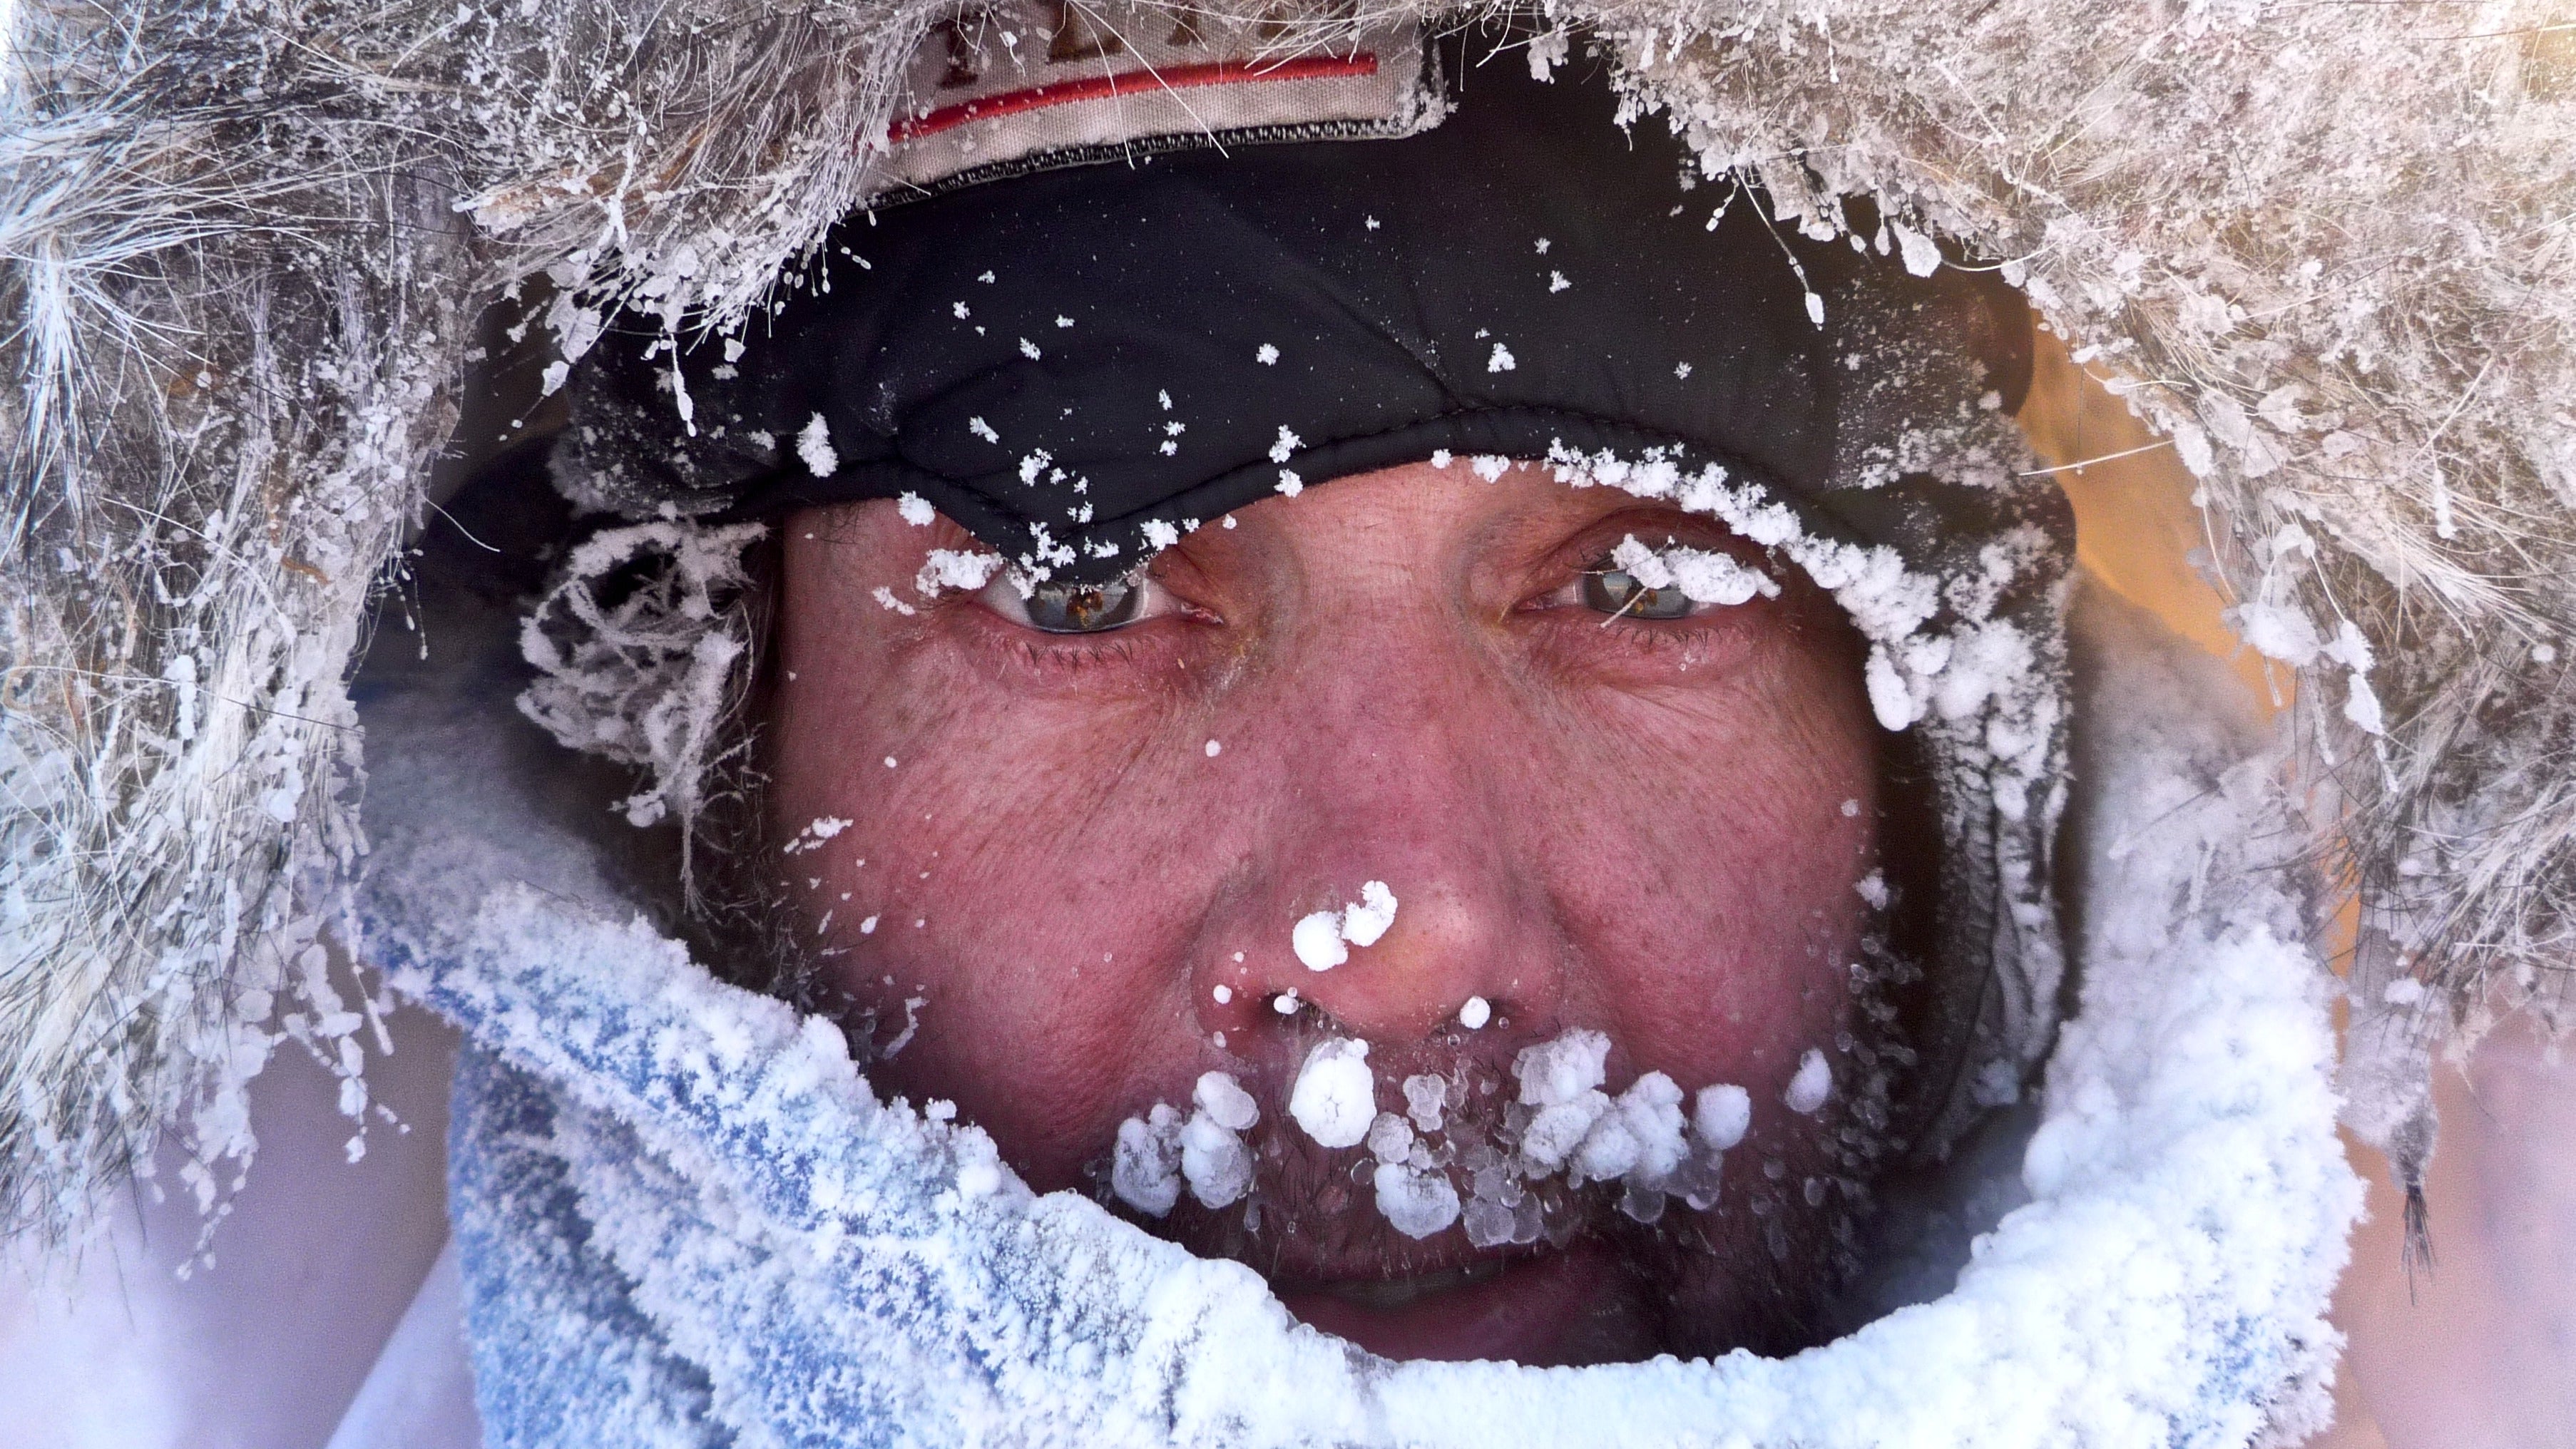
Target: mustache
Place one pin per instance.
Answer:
(1740, 1244)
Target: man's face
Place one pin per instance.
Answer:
(1085, 855)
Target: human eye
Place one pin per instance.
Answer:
(1606, 588)
(1078, 608)
(1663, 581)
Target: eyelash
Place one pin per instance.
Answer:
(1071, 654)
(1064, 658)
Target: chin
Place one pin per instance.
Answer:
(1598, 1288)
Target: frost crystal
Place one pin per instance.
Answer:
(1362, 924)
(1335, 1098)
(1425, 1099)
(1390, 1138)
(1703, 576)
(1814, 1082)
(1562, 1078)
(1214, 1162)
(1145, 1170)
(814, 446)
(1417, 1204)
(953, 568)
(1224, 1101)
(1318, 941)
(1318, 938)
(1553, 1073)
(1720, 1115)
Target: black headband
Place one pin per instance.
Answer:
(1059, 360)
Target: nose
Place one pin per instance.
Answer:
(1398, 777)
(1453, 943)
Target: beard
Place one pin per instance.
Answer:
(1751, 1248)
(1756, 1249)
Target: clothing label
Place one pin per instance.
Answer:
(1029, 85)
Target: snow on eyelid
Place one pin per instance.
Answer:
(1703, 576)
(1887, 602)
(949, 568)
(916, 510)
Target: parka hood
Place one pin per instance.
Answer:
(2313, 246)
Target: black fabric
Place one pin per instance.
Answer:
(1386, 274)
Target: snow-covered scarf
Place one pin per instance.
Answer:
(686, 1219)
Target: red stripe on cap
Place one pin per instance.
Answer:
(1213, 73)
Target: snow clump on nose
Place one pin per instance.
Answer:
(1318, 938)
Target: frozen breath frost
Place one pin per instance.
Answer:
(1335, 1098)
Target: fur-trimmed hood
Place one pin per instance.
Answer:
(2322, 249)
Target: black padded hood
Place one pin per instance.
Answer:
(1058, 360)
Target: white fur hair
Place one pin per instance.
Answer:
(2326, 250)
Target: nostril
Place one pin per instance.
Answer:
(1461, 952)
(1472, 1015)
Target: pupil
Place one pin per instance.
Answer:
(1082, 610)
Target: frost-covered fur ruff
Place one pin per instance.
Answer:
(685, 1219)
(2325, 248)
